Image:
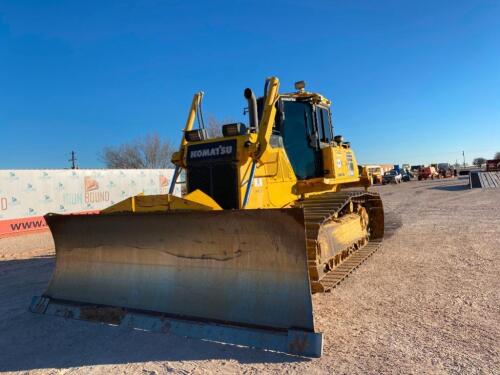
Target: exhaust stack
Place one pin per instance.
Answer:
(252, 110)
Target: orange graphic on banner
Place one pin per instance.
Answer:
(163, 181)
(90, 184)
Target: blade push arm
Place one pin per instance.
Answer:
(269, 113)
(178, 157)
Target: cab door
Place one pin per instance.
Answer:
(301, 139)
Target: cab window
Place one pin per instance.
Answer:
(323, 124)
(327, 124)
(300, 139)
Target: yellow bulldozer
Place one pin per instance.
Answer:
(274, 211)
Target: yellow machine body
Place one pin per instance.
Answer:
(275, 183)
(264, 221)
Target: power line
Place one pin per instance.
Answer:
(73, 160)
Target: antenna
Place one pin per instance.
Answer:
(73, 160)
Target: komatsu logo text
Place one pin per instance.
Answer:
(224, 150)
(219, 150)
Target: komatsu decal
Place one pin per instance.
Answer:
(224, 150)
(216, 151)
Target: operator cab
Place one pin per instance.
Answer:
(303, 127)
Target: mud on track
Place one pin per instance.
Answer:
(426, 302)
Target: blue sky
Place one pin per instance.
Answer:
(411, 81)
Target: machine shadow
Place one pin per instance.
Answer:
(452, 187)
(31, 341)
(392, 222)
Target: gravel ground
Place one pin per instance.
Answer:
(27, 246)
(426, 302)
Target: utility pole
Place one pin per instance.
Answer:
(73, 160)
(463, 154)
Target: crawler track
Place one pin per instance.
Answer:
(334, 277)
(325, 274)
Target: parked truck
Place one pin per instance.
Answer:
(427, 172)
(392, 176)
(445, 170)
(493, 165)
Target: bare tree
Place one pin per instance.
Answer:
(497, 155)
(148, 152)
(479, 161)
(214, 126)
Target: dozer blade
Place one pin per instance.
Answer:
(242, 272)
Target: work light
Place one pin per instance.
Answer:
(231, 130)
(195, 135)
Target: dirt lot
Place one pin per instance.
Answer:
(427, 302)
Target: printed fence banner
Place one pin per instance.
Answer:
(27, 195)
